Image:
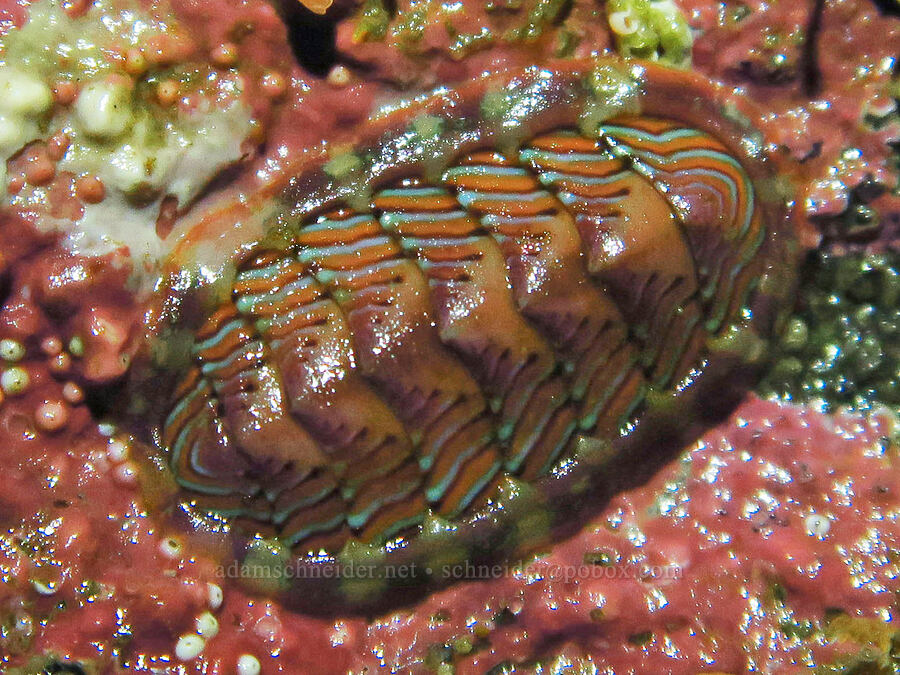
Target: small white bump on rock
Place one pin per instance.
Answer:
(117, 450)
(248, 664)
(189, 647)
(216, 596)
(48, 588)
(817, 525)
(207, 625)
(106, 428)
(11, 350)
(170, 547)
(14, 381)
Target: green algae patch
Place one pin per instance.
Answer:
(841, 349)
(541, 16)
(613, 90)
(267, 566)
(741, 341)
(651, 29)
(343, 165)
(372, 22)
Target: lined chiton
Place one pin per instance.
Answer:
(492, 309)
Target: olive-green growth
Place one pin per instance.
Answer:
(842, 347)
(650, 29)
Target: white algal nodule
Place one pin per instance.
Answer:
(189, 647)
(170, 547)
(207, 625)
(48, 588)
(247, 664)
(817, 525)
(14, 381)
(215, 594)
(11, 350)
(117, 450)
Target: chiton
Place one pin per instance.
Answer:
(483, 315)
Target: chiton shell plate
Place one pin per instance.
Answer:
(490, 310)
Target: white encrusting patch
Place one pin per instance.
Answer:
(132, 152)
(24, 100)
(103, 109)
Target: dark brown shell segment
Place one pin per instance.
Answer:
(528, 315)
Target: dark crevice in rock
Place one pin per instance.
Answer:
(312, 38)
(811, 73)
(889, 7)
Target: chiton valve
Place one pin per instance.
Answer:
(502, 302)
